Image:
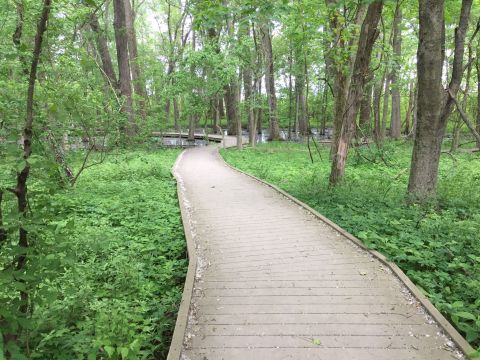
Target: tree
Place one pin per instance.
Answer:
(435, 103)
(265, 34)
(478, 92)
(102, 48)
(125, 82)
(138, 85)
(346, 120)
(395, 124)
(21, 190)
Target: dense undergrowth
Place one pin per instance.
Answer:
(115, 253)
(438, 245)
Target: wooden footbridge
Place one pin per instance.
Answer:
(269, 278)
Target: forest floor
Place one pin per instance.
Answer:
(435, 245)
(113, 260)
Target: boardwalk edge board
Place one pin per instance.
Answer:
(450, 331)
(176, 344)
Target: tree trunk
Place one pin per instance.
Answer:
(191, 127)
(138, 85)
(17, 35)
(377, 120)
(125, 83)
(3, 232)
(102, 48)
(176, 115)
(478, 94)
(290, 94)
(434, 103)
(216, 116)
(221, 108)
(410, 108)
(301, 107)
(270, 81)
(365, 105)
(386, 96)
(367, 37)
(21, 190)
(395, 123)
(231, 105)
(248, 93)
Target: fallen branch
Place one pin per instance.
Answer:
(465, 118)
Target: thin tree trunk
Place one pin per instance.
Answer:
(21, 190)
(377, 98)
(231, 105)
(290, 95)
(216, 116)
(176, 114)
(368, 36)
(478, 93)
(386, 96)
(248, 93)
(102, 48)
(3, 232)
(395, 123)
(410, 108)
(125, 83)
(17, 35)
(301, 113)
(270, 81)
(138, 85)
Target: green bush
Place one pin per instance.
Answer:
(115, 252)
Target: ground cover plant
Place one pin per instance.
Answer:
(436, 244)
(113, 266)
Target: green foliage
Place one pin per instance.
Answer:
(436, 245)
(107, 266)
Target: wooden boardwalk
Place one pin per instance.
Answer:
(272, 281)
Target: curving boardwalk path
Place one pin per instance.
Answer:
(274, 282)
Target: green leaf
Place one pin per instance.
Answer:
(466, 315)
(110, 350)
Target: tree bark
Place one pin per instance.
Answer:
(248, 91)
(301, 105)
(17, 35)
(386, 96)
(138, 85)
(341, 76)
(368, 36)
(434, 103)
(21, 190)
(395, 123)
(102, 48)
(377, 99)
(478, 93)
(365, 105)
(410, 108)
(270, 81)
(125, 83)
(3, 232)
(231, 106)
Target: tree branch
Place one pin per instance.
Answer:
(465, 118)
